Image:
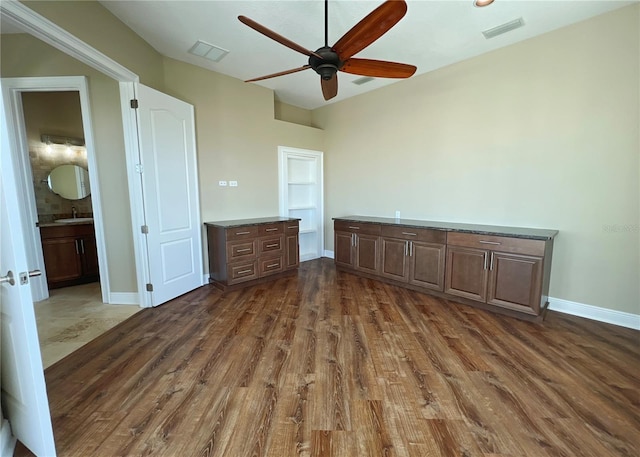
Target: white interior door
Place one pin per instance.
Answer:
(24, 395)
(170, 194)
(301, 196)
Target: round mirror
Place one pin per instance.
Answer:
(69, 181)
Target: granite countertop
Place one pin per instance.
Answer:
(514, 232)
(255, 221)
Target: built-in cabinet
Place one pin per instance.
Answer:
(70, 254)
(504, 273)
(247, 251)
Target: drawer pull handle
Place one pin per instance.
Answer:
(409, 233)
(489, 242)
(354, 228)
(243, 250)
(273, 265)
(271, 229)
(292, 227)
(274, 245)
(242, 233)
(241, 272)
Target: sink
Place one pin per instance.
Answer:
(74, 220)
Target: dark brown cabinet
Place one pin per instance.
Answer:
(415, 256)
(509, 274)
(500, 271)
(358, 246)
(244, 252)
(70, 254)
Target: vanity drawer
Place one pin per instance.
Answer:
(415, 234)
(291, 227)
(497, 243)
(241, 249)
(357, 227)
(242, 271)
(270, 229)
(271, 244)
(270, 265)
(242, 233)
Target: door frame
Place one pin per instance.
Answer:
(284, 152)
(21, 16)
(12, 90)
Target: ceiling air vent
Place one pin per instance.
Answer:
(504, 28)
(208, 51)
(363, 80)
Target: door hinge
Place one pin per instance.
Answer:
(134, 104)
(144, 229)
(139, 168)
(149, 287)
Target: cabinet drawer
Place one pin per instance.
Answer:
(240, 249)
(242, 233)
(291, 227)
(497, 243)
(415, 234)
(270, 244)
(270, 229)
(242, 271)
(270, 265)
(357, 227)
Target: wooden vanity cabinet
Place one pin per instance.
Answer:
(415, 256)
(358, 246)
(247, 253)
(500, 271)
(70, 254)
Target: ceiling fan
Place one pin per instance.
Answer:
(327, 61)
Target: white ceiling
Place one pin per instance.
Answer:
(433, 34)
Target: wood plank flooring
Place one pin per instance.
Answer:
(329, 364)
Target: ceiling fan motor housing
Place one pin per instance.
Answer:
(328, 65)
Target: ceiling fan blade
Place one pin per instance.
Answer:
(280, 73)
(369, 29)
(277, 37)
(329, 87)
(378, 68)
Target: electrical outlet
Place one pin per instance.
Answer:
(397, 214)
(222, 183)
(233, 183)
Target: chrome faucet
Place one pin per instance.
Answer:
(74, 212)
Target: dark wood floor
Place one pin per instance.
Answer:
(329, 364)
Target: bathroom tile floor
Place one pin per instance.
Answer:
(73, 316)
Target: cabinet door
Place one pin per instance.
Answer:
(515, 282)
(343, 245)
(466, 274)
(394, 259)
(89, 257)
(367, 253)
(62, 260)
(426, 265)
(292, 251)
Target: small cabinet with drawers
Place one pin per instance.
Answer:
(246, 251)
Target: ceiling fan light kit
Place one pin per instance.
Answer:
(327, 60)
(482, 3)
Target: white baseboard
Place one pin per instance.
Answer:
(7, 440)
(124, 298)
(595, 313)
(329, 254)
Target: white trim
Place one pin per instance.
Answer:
(12, 89)
(596, 313)
(205, 279)
(329, 254)
(124, 298)
(40, 27)
(285, 152)
(7, 440)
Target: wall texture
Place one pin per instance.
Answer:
(544, 133)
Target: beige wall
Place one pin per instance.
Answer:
(237, 139)
(544, 133)
(22, 55)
